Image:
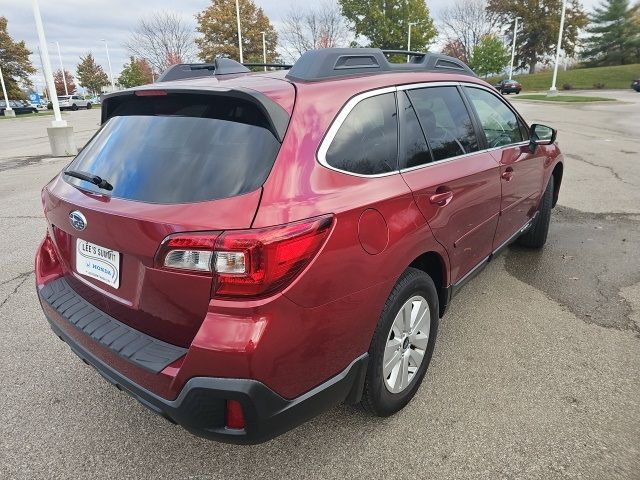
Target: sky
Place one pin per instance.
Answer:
(80, 25)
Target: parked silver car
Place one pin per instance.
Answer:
(73, 102)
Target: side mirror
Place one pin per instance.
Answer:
(541, 135)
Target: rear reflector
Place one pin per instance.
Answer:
(234, 416)
(247, 263)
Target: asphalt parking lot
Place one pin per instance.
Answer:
(535, 375)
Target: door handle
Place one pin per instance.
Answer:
(441, 199)
(507, 174)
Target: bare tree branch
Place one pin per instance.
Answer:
(467, 22)
(163, 38)
(320, 27)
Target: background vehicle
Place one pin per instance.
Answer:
(18, 106)
(636, 85)
(245, 265)
(73, 102)
(508, 86)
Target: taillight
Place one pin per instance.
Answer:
(247, 263)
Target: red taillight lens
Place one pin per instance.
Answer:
(47, 263)
(234, 416)
(247, 263)
(272, 257)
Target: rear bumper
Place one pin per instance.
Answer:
(200, 405)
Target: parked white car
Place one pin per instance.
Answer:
(73, 102)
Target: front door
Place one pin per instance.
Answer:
(521, 171)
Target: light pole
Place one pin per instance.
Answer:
(409, 39)
(239, 31)
(60, 134)
(264, 50)
(8, 112)
(64, 76)
(553, 90)
(113, 85)
(513, 46)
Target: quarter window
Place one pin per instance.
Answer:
(367, 141)
(499, 123)
(445, 121)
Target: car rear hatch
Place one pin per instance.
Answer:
(170, 161)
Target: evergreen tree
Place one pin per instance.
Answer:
(614, 34)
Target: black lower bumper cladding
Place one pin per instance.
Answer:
(200, 406)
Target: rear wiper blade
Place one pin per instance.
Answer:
(87, 177)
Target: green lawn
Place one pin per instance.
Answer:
(562, 98)
(580, 78)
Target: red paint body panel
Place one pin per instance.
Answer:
(314, 328)
(466, 225)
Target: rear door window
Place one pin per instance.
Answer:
(414, 150)
(367, 141)
(180, 149)
(445, 121)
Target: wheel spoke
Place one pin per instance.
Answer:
(406, 316)
(404, 371)
(417, 356)
(392, 347)
(422, 319)
(390, 364)
(398, 325)
(419, 340)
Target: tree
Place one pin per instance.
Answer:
(489, 56)
(136, 72)
(384, 23)
(455, 48)
(614, 34)
(536, 40)
(163, 39)
(91, 75)
(320, 27)
(59, 82)
(467, 22)
(15, 63)
(219, 35)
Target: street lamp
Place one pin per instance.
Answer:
(113, 85)
(553, 90)
(8, 112)
(60, 134)
(264, 50)
(239, 31)
(409, 38)
(513, 46)
(64, 76)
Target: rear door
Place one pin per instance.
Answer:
(456, 186)
(521, 172)
(176, 163)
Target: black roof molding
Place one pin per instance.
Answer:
(220, 66)
(328, 63)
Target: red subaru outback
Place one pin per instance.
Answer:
(242, 251)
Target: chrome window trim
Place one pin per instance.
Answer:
(353, 101)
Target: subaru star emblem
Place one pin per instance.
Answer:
(78, 220)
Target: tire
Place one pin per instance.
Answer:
(413, 287)
(517, 92)
(74, 107)
(536, 236)
(89, 106)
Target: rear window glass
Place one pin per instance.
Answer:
(180, 150)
